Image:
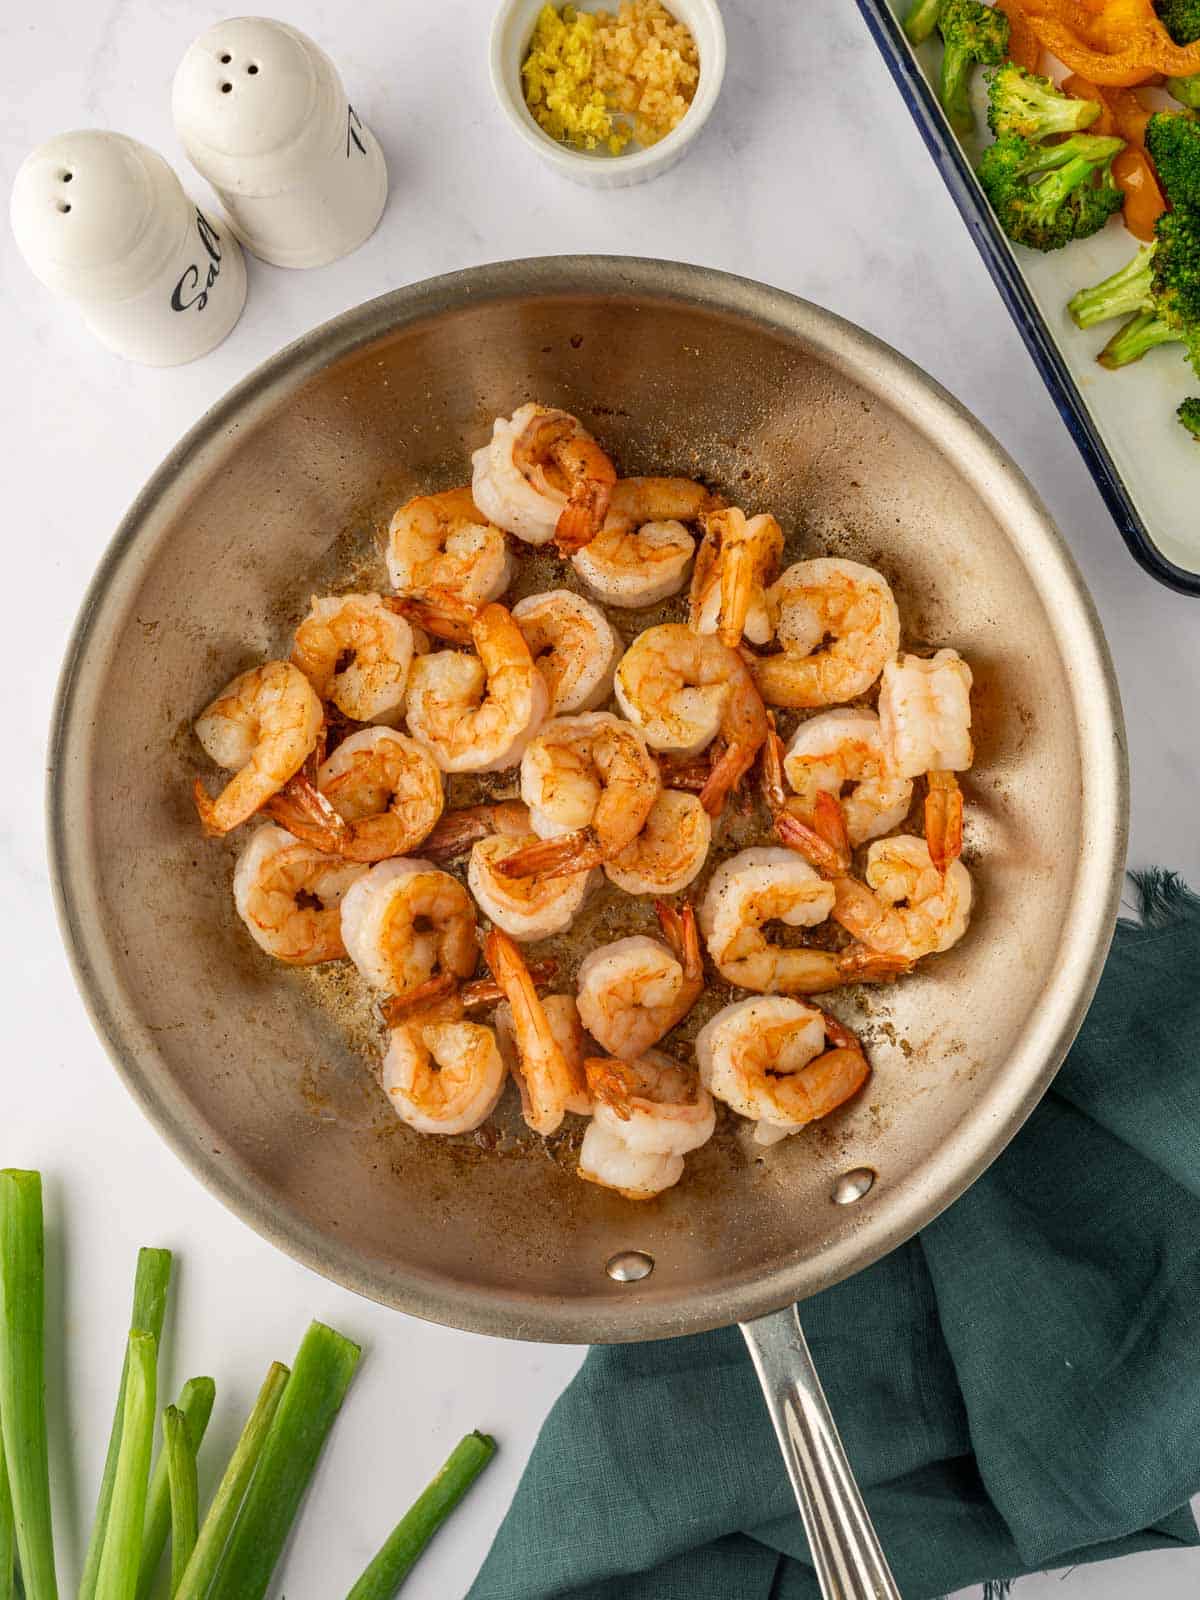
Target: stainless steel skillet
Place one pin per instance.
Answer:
(281, 489)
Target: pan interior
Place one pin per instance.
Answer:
(261, 1076)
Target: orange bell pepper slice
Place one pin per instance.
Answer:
(1145, 202)
(1023, 46)
(1121, 112)
(1112, 43)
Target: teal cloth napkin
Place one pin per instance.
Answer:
(1018, 1387)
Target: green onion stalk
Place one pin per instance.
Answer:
(395, 1560)
(22, 1378)
(321, 1374)
(196, 1579)
(121, 1558)
(151, 1282)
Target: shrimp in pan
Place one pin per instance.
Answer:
(542, 476)
(289, 896)
(766, 884)
(442, 543)
(908, 907)
(738, 559)
(405, 922)
(642, 552)
(844, 602)
(817, 831)
(767, 1059)
(441, 1073)
(840, 751)
(553, 1084)
(262, 727)
(925, 727)
(589, 783)
(632, 993)
(529, 907)
(562, 1018)
(684, 690)
(574, 646)
(475, 712)
(355, 650)
(379, 794)
(670, 850)
(649, 1113)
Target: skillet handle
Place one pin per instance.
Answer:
(849, 1561)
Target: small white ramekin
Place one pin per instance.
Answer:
(511, 33)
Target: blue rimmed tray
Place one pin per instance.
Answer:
(1145, 465)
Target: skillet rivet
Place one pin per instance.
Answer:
(852, 1185)
(629, 1266)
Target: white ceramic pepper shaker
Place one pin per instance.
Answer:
(261, 111)
(103, 221)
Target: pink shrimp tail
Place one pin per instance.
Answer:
(304, 811)
(565, 854)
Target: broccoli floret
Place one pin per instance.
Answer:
(971, 34)
(1130, 343)
(1020, 102)
(1047, 195)
(1176, 276)
(1181, 19)
(1126, 291)
(1189, 414)
(1161, 285)
(922, 19)
(1173, 140)
(1185, 90)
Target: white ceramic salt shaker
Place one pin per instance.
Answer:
(261, 111)
(103, 221)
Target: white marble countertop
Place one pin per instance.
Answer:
(810, 176)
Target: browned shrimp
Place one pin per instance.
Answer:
(262, 727)
(684, 690)
(552, 1082)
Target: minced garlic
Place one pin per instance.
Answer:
(641, 64)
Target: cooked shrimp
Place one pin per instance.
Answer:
(552, 1082)
(457, 831)
(925, 725)
(642, 552)
(819, 834)
(828, 599)
(475, 712)
(442, 543)
(562, 1016)
(274, 872)
(683, 690)
(526, 908)
(442, 1074)
(404, 922)
(542, 476)
(633, 992)
(738, 559)
(844, 748)
(355, 650)
(766, 1058)
(589, 783)
(669, 851)
(574, 646)
(650, 1113)
(379, 794)
(262, 726)
(908, 907)
(767, 884)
